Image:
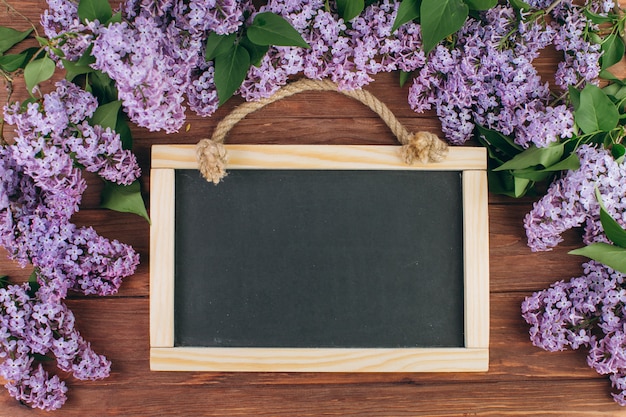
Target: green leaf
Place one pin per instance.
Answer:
(38, 71)
(609, 255)
(596, 18)
(218, 45)
(572, 163)
(95, 10)
(520, 5)
(506, 184)
(539, 174)
(231, 69)
(32, 278)
(270, 29)
(79, 67)
(4, 281)
(122, 129)
(612, 51)
(481, 4)
(404, 77)
(574, 96)
(73, 69)
(521, 186)
(616, 91)
(33, 282)
(256, 52)
(349, 9)
(618, 151)
(103, 87)
(41, 358)
(116, 18)
(596, 111)
(10, 37)
(613, 79)
(440, 18)
(612, 228)
(605, 74)
(106, 114)
(124, 198)
(12, 62)
(43, 41)
(409, 10)
(530, 174)
(534, 156)
(503, 144)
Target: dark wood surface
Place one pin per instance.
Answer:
(522, 380)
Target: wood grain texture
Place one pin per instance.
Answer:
(476, 258)
(162, 260)
(319, 360)
(339, 157)
(522, 380)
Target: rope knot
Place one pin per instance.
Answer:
(212, 160)
(424, 147)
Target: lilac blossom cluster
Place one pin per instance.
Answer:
(156, 55)
(34, 323)
(348, 53)
(156, 58)
(61, 24)
(588, 311)
(571, 202)
(581, 58)
(488, 78)
(41, 186)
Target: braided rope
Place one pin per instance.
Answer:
(421, 146)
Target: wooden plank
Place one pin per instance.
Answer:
(476, 258)
(519, 398)
(162, 260)
(317, 157)
(319, 360)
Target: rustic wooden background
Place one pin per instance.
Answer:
(522, 380)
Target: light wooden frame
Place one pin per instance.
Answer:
(164, 356)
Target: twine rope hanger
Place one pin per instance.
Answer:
(421, 146)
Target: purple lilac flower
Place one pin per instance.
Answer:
(149, 77)
(201, 92)
(485, 81)
(571, 202)
(69, 257)
(41, 187)
(61, 20)
(41, 324)
(581, 63)
(588, 311)
(53, 132)
(197, 18)
(347, 55)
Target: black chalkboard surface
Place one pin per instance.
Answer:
(319, 258)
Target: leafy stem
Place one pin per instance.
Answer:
(621, 18)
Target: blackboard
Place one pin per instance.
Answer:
(317, 262)
(319, 259)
